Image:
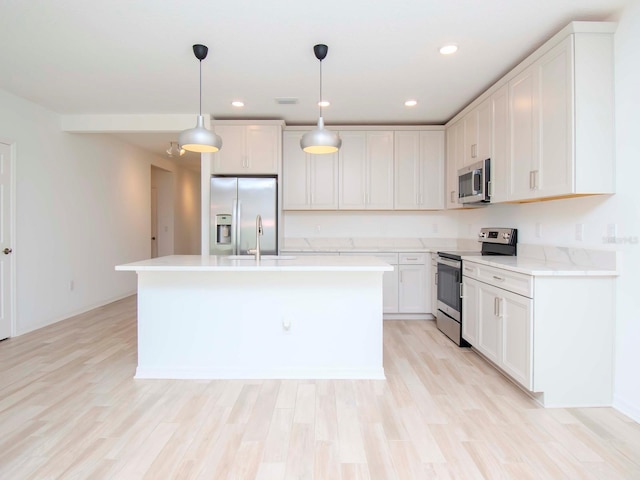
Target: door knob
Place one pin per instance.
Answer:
(153, 238)
(7, 251)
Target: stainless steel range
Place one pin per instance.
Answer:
(495, 241)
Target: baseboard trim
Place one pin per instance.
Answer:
(627, 408)
(407, 316)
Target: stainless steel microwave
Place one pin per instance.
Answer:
(474, 182)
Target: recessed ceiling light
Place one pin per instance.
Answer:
(410, 103)
(449, 49)
(237, 103)
(324, 103)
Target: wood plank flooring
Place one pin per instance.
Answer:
(70, 409)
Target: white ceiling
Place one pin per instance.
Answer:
(128, 57)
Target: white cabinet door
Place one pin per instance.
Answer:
(500, 165)
(419, 170)
(489, 324)
(434, 283)
(407, 170)
(553, 174)
(309, 182)
(412, 289)
(366, 170)
(323, 181)
(485, 120)
(523, 141)
(353, 170)
(231, 158)
(470, 310)
(455, 160)
(262, 149)
(247, 149)
(380, 170)
(516, 313)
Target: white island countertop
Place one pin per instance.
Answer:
(290, 263)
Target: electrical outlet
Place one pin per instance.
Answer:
(538, 230)
(579, 231)
(612, 230)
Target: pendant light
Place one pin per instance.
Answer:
(320, 140)
(199, 139)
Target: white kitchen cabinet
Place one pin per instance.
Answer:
(477, 134)
(366, 170)
(419, 170)
(248, 149)
(309, 182)
(552, 334)
(500, 165)
(414, 271)
(455, 161)
(561, 128)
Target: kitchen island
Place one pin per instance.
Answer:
(214, 317)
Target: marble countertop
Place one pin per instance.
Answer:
(542, 267)
(215, 263)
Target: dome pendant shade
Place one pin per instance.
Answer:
(320, 140)
(199, 139)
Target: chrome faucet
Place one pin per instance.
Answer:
(259, 231)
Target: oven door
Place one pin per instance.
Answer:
(449, 281)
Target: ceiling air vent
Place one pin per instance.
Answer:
(286, 100)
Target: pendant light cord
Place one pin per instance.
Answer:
(320, 103)
(200, 87)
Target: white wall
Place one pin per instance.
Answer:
(82, 207)
(558, 218)
(187, 222)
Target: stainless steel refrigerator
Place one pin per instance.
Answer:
(235, 204)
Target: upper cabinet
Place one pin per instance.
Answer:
(248, 149)
(309, 182)
(419, 170)
(455, 160)
(373, 170)
(366, 170)
(548, 125)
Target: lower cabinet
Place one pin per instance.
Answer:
(554, 336)
(405, 289)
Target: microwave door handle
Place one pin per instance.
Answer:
(477, 182)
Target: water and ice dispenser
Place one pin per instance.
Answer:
(223, 229)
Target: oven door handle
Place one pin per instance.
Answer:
(450, 263)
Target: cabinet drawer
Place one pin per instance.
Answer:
(413, 259)
(512, 281)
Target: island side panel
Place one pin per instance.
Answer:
(260, 325)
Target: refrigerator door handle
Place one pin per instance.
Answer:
(234, 226)
(237, 244)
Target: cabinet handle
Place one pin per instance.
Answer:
(535, 180)
(467, 269)
(461, 290)
(490, 188)
(412, 258)
(452, 192)
(498, 278)
(474, 150)
(495, 306)
(531, 180)
(499, 314)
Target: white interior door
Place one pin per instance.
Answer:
(6, 238)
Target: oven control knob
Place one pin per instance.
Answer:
(506, 235)
(482, 235)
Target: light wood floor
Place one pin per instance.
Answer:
(70, 409)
